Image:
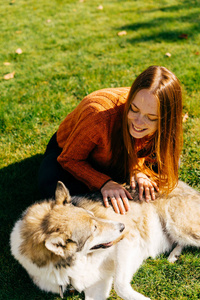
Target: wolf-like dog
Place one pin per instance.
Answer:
(76, 240)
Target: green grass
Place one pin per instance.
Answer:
(69, 50)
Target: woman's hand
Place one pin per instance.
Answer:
(118, 196)
(145, 185)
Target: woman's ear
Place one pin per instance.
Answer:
(62, 194)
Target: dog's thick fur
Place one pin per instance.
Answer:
(61, 243)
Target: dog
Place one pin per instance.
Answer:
(77, 241)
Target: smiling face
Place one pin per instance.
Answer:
(143, 115)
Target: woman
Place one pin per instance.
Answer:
(119, 134)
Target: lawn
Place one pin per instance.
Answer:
(55, 52)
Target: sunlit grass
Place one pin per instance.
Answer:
(69, 49)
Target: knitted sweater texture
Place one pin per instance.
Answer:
(85, 136)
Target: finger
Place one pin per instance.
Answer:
(126, 203)
(115, 205)
(141, 190)
(147, 194)
(155, 186)
(152, 193)
(121, 206)
(128, 194)
(133, 183)
(105, 200)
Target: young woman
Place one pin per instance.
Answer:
(119, 135)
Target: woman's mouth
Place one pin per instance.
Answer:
(137, 129)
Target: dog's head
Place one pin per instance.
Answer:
(57, 230)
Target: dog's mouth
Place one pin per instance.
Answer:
(103, 246)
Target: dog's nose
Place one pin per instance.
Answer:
(121, 227)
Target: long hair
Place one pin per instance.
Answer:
(164, 148)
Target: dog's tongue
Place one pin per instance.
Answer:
(106, 245)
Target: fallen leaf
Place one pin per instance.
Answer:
(183, 36)
(18, 31)
(6, 63)
(121, 33)
(9, 76)
(196, 53)
(100, 7)
(19, 51)
(81, 1)
(168, 54)
(48, 21)
(185, 117)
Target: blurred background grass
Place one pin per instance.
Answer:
(69, 49)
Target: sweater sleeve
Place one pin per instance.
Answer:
(86, 136)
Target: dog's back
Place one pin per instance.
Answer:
(180, 214)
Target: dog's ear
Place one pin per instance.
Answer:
(55, 245)
(58, 246)
(62, 194)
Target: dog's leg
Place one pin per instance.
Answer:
(176, 252)
(100, 290)
(129, 257)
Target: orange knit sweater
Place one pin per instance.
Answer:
(85, 136)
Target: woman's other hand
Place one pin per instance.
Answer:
(118, 196)
(145, 185)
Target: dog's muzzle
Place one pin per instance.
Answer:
(108, 245)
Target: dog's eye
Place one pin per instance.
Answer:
(95, 227)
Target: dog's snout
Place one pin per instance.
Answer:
(121, 225)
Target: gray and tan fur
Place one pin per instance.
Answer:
(80, 242)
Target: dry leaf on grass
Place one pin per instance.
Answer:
(100, 7)
(19, 51)
(6, 63)
(185, 117)
(9, 76)
(168, 54)
(121, 33)
(183, 36)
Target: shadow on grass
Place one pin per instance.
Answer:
(166, 28)
(18, 185)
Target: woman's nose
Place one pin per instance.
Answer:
(139, 119)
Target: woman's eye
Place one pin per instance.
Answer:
(133, 109)
(152, 118)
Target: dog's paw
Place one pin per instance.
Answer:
(172, 258)
(174, 255)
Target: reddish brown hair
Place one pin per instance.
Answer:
(166, 144)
